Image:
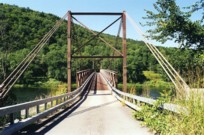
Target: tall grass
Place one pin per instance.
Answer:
(168, 123)
(56, 87)
(191, 123)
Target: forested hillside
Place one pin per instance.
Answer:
(21, 29)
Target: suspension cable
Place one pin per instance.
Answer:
(168, 68)
(20, 69)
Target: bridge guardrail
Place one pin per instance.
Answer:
(134, 101)
(112, 76)
(82, 75)
(65, 99)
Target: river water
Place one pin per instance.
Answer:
(28, 94)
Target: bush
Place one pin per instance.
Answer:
(154, 117)
(165, 122)
(10, 99)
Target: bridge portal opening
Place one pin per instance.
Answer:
(74, 52)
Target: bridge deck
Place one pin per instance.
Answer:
(97, 113)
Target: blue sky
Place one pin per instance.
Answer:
(135, 8)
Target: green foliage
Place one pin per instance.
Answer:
(56, 87)
(8, 100)
(168, 123)
(199, 5)
(193, 122)
(21, 29)
(153, 117)
(151, 75)
(39, 90)
(170, 23)
(157, 84)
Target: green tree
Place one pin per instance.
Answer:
(21, 29)
(169, 22)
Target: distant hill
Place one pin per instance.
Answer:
(22, 28)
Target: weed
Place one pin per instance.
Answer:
(165, 122)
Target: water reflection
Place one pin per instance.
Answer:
(152, 93)
(24, 94)
(29, 94)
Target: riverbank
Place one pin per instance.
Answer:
(39, 90)
(152, 88)
(52, 87)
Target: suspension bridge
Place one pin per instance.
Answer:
(94, 107)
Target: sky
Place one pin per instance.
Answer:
(134, 8)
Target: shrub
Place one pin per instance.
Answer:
(165, 122)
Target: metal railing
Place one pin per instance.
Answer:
(81, 76)
(112, 76)
(55, 103)
(134, 101)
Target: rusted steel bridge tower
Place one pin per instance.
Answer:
(123, 54)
